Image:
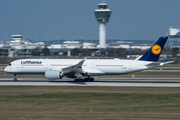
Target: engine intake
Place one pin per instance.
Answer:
(53, 74)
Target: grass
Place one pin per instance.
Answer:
(71, 103)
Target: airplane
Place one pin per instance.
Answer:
(79, 68)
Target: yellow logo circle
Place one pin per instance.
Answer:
(156, 49)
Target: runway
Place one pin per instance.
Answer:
(129, 82)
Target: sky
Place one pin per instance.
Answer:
(74, 19)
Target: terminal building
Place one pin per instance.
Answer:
(19, 46)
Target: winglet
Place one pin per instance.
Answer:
(74, 67)
(81, 62)
(154, 52)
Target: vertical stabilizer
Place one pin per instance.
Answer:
(154, 52)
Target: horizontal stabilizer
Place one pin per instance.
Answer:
(156, 64)
(167, 62)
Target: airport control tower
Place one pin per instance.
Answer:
(102, 15)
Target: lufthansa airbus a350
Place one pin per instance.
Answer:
(78, 68)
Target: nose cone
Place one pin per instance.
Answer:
(6, 69)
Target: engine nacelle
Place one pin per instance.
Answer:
(53, 74)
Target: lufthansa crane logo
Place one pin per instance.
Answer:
(156, 49)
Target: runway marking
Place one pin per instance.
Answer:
(127, 82)
(90, 84)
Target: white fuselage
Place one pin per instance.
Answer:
(90, 67)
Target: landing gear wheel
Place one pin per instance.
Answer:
(86, 79)
(92, 79)
(89, 79)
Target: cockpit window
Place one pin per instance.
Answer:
(9, 64)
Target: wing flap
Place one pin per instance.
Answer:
(90, 71)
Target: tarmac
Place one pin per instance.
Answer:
(123, 82)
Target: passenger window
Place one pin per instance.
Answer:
(9, 64)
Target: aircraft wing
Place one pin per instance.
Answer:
(93, 72)
(77, 68)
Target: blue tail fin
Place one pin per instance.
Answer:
(154, 52)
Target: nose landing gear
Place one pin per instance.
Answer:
(14, 77)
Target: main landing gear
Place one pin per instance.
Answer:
(14, 77)
(84, 80)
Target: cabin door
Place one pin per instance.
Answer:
(129, 65)
(93, 65)
(17, 65)
(46, 65)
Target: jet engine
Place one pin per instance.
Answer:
(53, 74)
